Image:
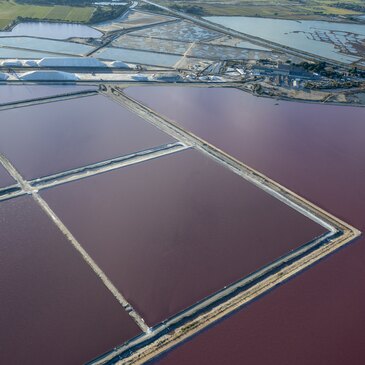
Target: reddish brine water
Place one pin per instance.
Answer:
(54, 309)
(319, 152)
(170, 231)
(5, 178)
(45, 139)
(316, 150)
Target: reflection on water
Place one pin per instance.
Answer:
(45, 45)
(49, 296)
(318, 37)
(173, 230)
(20, 53)
(319, 152)
(49, 138)
(267, 136)
(52, 30)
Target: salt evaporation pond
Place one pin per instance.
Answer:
(151, 44)
(170, 231)
(5, 178)
(45, 45)
(179, 31)
(52, 30)
(54, 308)
(14, 93)
(251, 128)
(7, 53)
(294, 33)
(317, 151)
(50, 138)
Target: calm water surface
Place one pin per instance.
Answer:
(267, 136)
(294, 33)
(171, 231)
(45, 45)
(7, 53)
(318, 151)
(45, 139)
(52, 30)
(54, 309)
(11, 93)
(5, 178)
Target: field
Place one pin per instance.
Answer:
(10, 11)
(288, 9)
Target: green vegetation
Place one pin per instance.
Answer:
(351, 6)
(287, 9)
(11, 12)
(57, 2)
(103, 13)
(77, 11)
(318, 67)
(191, 9)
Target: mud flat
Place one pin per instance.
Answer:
(151, 44)
(133, 19)
(50, 297)
(50, 138)
(136, 56)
